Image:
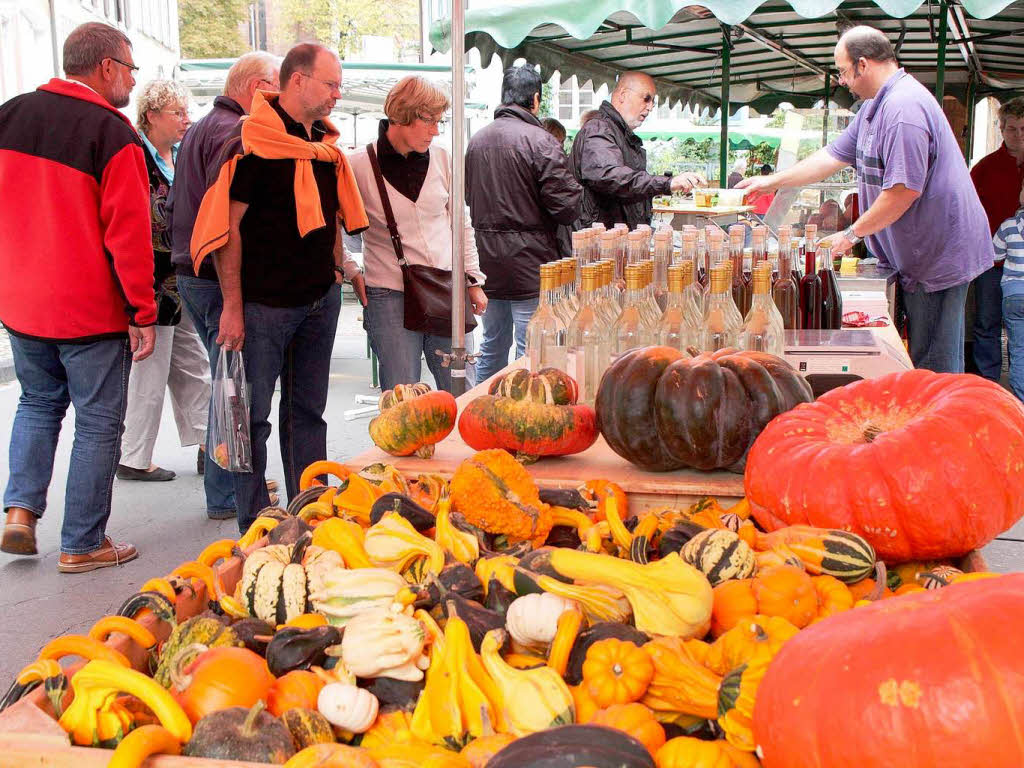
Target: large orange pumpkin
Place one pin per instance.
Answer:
(857, 691)
(220, 678)
(922, 465)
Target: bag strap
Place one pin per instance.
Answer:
(389, 214)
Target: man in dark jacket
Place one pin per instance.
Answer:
(199, 162)
(76, 296)
(610, 162)
(519, 189)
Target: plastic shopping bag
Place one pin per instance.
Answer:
(229, 414)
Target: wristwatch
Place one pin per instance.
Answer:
(849, 234)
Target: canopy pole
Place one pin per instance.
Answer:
(824, 123)
(457, 360)
(972, 107)
(723, 158)
(940, 72)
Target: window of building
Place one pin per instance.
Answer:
(565, 99)
(586, 98)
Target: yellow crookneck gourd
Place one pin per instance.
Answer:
(531, 699)
(459, 697)
(668, 597)
(393, 543)
(463, 546)
(345, 537)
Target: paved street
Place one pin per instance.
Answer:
(167, 521)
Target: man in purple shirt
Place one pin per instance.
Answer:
(921, 214)
(199, 162)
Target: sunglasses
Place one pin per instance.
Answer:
(132, 67)
(648, 98)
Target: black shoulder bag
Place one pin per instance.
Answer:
(428, 290)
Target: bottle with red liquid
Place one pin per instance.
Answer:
(831, 296)
(741, 286)
(810, 291)
(785, 288)
(808, 244)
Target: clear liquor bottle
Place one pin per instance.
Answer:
(662, 259)
(758, 246)
(650, 304)
(545, 333)
(636, 247)
(786, 288)
(767, 269)
(608, 299)
(680, 323)
(719, 326)
(630, 329)
(762, 330)
(715, 256)
(560, 297)
(588, 339)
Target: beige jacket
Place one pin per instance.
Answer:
(424, 226)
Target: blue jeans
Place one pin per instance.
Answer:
(203, 302)
(52, 376)
(293, 344)
(1013, 316)
(502, 320)
(988, 323)
(936, 331)
(399, 351)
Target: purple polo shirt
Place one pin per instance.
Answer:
(902, 137)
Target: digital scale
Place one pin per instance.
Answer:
(830, 359)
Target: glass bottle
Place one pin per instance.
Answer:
(689, 253)
(809, 243)
(735, 310)
(652, 309)
(762, 331)
(588, 339)
(831, 296)
(603, 272)
(758, 246)
(719, 328)
(701, 275)
(715, 256)
(545, 333)
(810, 293)
(680, 323)
(610, 291)
(608, 248)
(767, 268)
(741, 290)
(635, 247)
(786, 289)
(630, 330)
(662, 258)
(560, 300)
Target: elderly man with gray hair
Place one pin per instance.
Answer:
(199, 162)
(920, 211)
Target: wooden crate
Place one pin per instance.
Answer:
(29, 736)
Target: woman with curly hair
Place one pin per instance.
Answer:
(179, 361)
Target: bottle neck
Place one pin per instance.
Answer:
(810, 261)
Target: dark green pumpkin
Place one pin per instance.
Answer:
(548, 385)
(571, 746)
(237, 733)
(675, 537)
(394, 694)
(307, 727)
(729, 690)
(296, 648)
(418, 517)
(662, 410)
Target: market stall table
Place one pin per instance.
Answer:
(688, 213)
(646, 489)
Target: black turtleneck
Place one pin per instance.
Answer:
(405, 173)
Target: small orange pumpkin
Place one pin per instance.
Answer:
(732, 600)
(584, 705)
(787, 592)
(298, 688)
(481, 749)
(634, 719)
(616, 672)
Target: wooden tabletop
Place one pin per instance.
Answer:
(598, 461)
(690, 208)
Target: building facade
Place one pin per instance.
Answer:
(32, 34)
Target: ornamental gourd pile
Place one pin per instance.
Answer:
(392, 621)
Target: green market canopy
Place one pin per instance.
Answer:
(777, 51)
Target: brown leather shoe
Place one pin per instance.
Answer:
(109, 554)
(19, 532)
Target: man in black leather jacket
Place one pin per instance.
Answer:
(519, 189)
(609, 159)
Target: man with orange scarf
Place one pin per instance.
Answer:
(271, 223)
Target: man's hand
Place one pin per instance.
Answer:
(841, 246)
(684, 182)
(232, 327)
(759, 184)
(143, 342)
(478, 299)
(359, 286)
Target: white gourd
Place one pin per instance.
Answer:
(532, 620)
(348, 707)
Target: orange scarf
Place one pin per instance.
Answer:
(264, 135)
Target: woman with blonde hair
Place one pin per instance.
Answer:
(417, 181)
(179, 361)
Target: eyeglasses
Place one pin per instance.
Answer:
(647, 97)
(431, 122)
(132, 67)
(846, 70)
(329, 83)
(181, 114)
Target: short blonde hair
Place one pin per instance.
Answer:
(157, 95)
(413, 95)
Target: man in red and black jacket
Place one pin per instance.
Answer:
(77, 290)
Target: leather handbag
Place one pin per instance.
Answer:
(428, 290)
